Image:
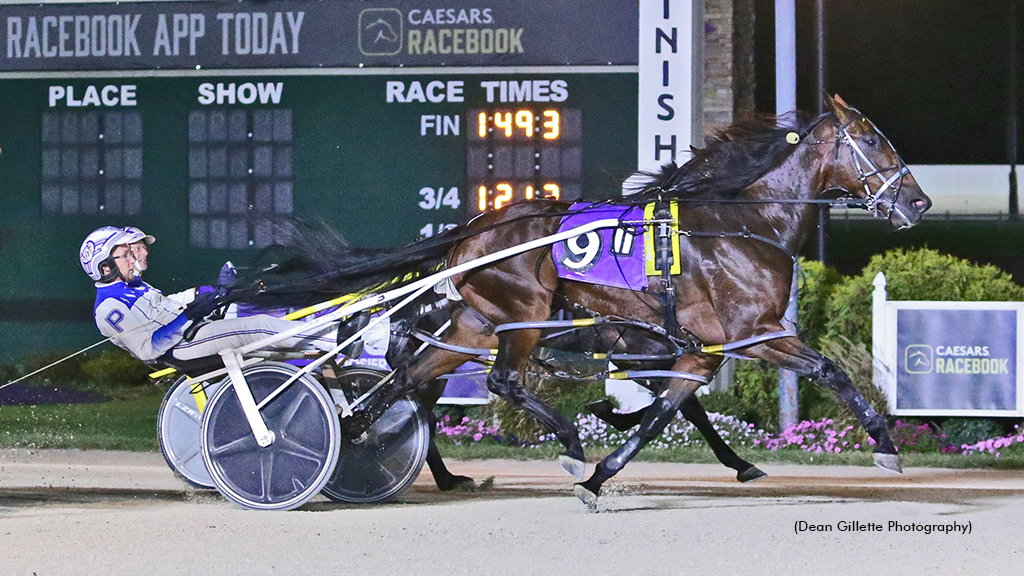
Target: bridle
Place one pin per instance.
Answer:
(867, 171)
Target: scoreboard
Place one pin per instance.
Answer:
(363, 152)
(210, 124)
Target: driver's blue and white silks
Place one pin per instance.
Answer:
(143, 321)
(138, 318)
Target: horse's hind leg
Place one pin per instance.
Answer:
(444, 479)
(794, 355)
(505, 380)
(695, 413)
(654, 420)
(621, 421)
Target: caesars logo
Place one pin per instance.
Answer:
(918, 359)
(382, 32)
(923, 359)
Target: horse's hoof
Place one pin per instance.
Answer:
(750, 474)
(586, 496)
(573, 466)
(457, 484)
(890, 462)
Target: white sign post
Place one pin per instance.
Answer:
(667, 116)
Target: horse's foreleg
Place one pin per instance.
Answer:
(654, 420)
(505, 380)
(792, 354)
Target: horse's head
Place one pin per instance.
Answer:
(867, 166)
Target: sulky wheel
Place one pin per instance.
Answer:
(386, 460)
(178, 426)
(291, 470)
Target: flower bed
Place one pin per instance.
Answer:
(820, 436)
(994, 445)
(809, 436)
(467, 430)
(680, 433)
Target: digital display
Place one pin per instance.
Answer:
(521, 154)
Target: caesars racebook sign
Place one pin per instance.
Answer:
(956, 360)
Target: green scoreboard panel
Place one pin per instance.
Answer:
(385, 146)
(370, 154)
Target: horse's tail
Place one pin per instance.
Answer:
(320, 266)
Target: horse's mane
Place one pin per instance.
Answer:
(319, 264)
(732, 160)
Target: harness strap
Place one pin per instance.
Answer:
(683, 346)
(720, 349)
(641, 374)
(437, 343)
(744, 234)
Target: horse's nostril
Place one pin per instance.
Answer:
(920, 204)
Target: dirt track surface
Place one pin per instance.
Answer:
(70, 512)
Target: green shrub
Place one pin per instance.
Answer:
(921, 274)
(116, 367)
(111, 367)
(817, 283)
(959, 431)
(69, 370)
(762, 414)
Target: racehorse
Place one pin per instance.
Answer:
(747, 203)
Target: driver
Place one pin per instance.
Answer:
(140, 319)
(139, 243)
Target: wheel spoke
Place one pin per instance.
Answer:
(266, 475)
(246, 443)
(390, 423)
(292, 448)
(289, 412)
(191, 453)
(381, 470)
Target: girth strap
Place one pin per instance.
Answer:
(664, 225)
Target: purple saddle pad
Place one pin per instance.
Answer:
(609, 256)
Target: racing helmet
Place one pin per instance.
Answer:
(96, 249)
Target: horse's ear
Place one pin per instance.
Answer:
(841, 109)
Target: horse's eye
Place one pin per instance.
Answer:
(871, 142)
